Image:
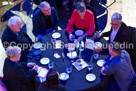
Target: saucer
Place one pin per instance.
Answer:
(64, 76)
(56, 35)
(101, 62)
(90, 77)
(45, 60)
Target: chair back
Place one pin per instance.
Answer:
(35, 9)
(133, 41)
(2, 86)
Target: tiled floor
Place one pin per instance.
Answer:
(125, 7)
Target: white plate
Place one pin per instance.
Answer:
(90, 77)
(79, 32)
(37, 45)
(100, 62)
(56, 35)
(45, 60)
(63, 76)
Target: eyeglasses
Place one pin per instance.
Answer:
(114, 24)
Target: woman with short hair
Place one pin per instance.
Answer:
(52, 82)
(16, 75)
(82, 19)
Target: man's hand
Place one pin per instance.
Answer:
(98, 35)
(102, 71)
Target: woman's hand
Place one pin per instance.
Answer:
(35, 67)
(30, 64)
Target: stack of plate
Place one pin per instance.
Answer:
(64, 76)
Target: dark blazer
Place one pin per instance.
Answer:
(123, 35)
(17, 77)
(39, 23)
(10, 38)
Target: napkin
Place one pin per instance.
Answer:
(90, 44)
(72, 54)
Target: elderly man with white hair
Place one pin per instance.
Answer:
(13, 35)
(45, 20)
(17, 77)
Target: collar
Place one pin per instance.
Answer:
(116, 29)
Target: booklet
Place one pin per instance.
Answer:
(42, 72)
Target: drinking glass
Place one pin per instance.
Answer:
(42, 47)
(96, 56)
(90, 67)
(53, 40)
(71, 61)
(50, 65)
(68, 70)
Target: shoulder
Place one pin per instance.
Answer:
(75, 12)
(89, 12)
(6, 32)
(52, 8)
(124, 54)
(124, 27)
(61, 88)
(43, 87)
(37, 12)
(8, 64)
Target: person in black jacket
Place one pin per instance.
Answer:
(13, 35)
(16, 75)
(45, 20)
(52, 82)
(119, 31)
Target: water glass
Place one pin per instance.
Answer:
(76, 42)
(90, 67)
(53, 40)
(71, 61)
(42, 47)
(50, 65)
(97, 34)
(96, 56)
(68, 70)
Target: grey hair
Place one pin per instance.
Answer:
(44, 4)
(116, 16)
(13, 20)
(13, 51)
(80, 6)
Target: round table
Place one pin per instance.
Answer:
(77, 79)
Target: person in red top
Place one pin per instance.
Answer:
(81, 18)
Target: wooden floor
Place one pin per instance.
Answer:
(125, 7)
